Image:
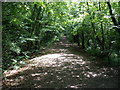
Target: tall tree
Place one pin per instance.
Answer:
(113, 17)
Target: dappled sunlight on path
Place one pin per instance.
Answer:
(51, 60)
(63, 68)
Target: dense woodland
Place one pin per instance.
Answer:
(30, 27)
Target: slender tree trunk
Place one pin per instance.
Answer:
(119, 14)
(101, 23)
(93, 27)
(83, 40)
(76, 39)
(113, 17)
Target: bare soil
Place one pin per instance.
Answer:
(63, 65)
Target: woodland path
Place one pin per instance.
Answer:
(63, 65)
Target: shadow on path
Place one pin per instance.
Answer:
(64, 66)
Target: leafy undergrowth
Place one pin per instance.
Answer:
(63, 65)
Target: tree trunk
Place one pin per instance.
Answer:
(113, 17)
(83, 40)
(93, 27)
(101, 23)
(119, 13)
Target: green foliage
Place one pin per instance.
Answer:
(14, 47)
(94, 30)
(27, 29)
(30, 26)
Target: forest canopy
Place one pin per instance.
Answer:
(29, 27)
